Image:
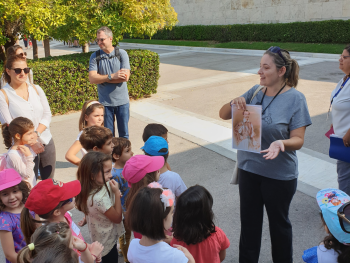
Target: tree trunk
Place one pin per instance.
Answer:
(35, 49)
(6, 46)
(85, 48)
(47, 47)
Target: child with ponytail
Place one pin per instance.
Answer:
(53, 235)
(99, 200)
(17, 136)
(51, 200)
(13, 195)
(335, 216)
(150, 214)
(92, 114)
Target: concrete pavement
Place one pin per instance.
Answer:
(194, 84)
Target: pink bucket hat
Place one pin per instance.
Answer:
(9, 178)
(139, 165)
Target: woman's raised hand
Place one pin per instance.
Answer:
(239, 102)
(274, 149)
(38, 147)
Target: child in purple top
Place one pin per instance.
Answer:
(13, 194)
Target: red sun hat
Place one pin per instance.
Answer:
(47, 194)
(139, 165)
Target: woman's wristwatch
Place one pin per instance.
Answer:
(38, 133)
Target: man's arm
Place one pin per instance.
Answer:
(95, 78)
(122, 75)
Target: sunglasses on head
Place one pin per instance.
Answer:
(67, 201)
(277, 50)
(23, 54)
(344, 217)
(19, 70)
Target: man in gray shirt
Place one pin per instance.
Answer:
(110, 69)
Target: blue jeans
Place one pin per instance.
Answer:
(122, 115)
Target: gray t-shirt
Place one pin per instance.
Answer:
(287, 112)
(111, 94)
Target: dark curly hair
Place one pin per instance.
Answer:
(24, 187)
(193, 217)
(330, 242)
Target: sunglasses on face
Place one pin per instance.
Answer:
(19, 70)
(67, 201)
(277, 50)
(23, 54)
(344, 217)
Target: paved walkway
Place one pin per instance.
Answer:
(194, 84)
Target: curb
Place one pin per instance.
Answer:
(247, 52)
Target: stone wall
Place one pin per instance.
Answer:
(224, 12)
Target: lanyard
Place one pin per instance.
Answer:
(336, 94)
(261, 102)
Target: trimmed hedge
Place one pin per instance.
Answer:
(330, 31)
(65, 79)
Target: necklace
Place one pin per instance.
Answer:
(261, 102)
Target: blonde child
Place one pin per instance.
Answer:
(99, 200)
(13, 195)
(91, 115)
(198, 233)
(150, 213)
(51, 200)
(335, 211)
(17, 136)
(58, 254)
(52, 235)
(122, 152)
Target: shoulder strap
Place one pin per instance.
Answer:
(117, 53)
(6, 98)
(98, 58)
(256, 92)
(35, 89)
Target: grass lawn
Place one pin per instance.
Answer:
(300, 47)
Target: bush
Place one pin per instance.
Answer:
(65, 79)
(331, 31)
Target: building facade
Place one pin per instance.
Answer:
(225, 12)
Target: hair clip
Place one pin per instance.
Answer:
(31, 246)
(167, 197)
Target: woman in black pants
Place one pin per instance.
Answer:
(270, 178)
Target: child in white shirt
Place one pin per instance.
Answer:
(150, 214)
(335, 215)
(17, 136)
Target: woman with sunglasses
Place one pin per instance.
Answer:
(340, 103)
(335, 217)
(16, 50)
(20, 99)
(270, 178)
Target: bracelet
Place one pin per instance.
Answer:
(93, 255)
(84, 249)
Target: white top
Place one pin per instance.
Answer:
(24, 165)
(172, 181)
(83, 151)
(36, 109)
(325, 255)
(101, 229)
(341, 109)
(158, 253)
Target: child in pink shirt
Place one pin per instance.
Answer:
(198, 233)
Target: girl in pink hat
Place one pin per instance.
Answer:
(13, 195)
(91, 115)
(139, 171)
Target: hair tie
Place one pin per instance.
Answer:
(91, 103)
(31, 246)
(167, 197)
(7, 124)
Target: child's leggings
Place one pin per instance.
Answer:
(124, 241)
